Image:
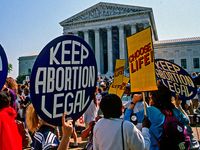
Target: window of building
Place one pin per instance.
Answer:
(196, 62)
(184, 63)
(171, 60)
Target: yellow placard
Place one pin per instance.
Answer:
(119, 89)
(113, 89)
(119, 71)
(141, 61)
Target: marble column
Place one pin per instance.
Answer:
(189, 60)
(97, 48)
(121, 42)
(110, 51)
(177, 57)
(86, 36)
(133, 28)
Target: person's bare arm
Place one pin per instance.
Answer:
(67, 129)
(85, 133)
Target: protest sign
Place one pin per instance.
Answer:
(63, 79)
(119, 89)
(3, 67)
(119, 71)
(141, 61)
(175, 78)
(113, 88)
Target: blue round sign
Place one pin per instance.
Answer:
(175, 78)
(63, 79)
(3, 67)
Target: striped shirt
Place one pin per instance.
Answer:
(44, 139)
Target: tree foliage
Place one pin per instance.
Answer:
(20, 79)
(10, 68)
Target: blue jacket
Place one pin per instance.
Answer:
(157, 119)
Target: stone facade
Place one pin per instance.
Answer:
(184, 52)
(26, 64)
(105, 27)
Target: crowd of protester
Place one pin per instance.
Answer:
(110, 122)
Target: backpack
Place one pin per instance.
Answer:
(174, 136)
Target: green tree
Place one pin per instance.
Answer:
(20, 79)
(10, 68)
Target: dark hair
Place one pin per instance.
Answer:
(4, 100)
(132, 94)
(99, 90)
(162, 98)
(111, 106)
(26, 91)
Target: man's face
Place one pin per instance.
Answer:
(137, 97)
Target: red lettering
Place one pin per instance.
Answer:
(131, 58)
(133, 69)
(120, 68)
(152, 56)
(139, 52)
(123, 86)
(116, 74)
(144, 56)
(146, 59)
(113, 86)
(140, 62)
(147, 47)
(142, 50)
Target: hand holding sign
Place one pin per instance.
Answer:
(141, 62)
(63, 78)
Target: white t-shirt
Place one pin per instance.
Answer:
(91, 113)
(107, 135)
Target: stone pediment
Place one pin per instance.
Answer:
(104, 11)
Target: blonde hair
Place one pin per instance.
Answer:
(32, 119)
(12, 84)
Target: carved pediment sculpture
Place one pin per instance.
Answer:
(104, 11)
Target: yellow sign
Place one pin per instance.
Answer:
(113, 89)
(141, 61)
(119, 71)
(119, 89)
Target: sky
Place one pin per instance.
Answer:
(26, 26)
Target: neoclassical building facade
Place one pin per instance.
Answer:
(184, 52)
(26, 64)
(105, 27)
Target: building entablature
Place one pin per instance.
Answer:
(177, 42)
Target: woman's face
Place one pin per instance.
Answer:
(177, 101)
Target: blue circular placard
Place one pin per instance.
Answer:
(3, 67)
(63, 79)
(175, 78)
